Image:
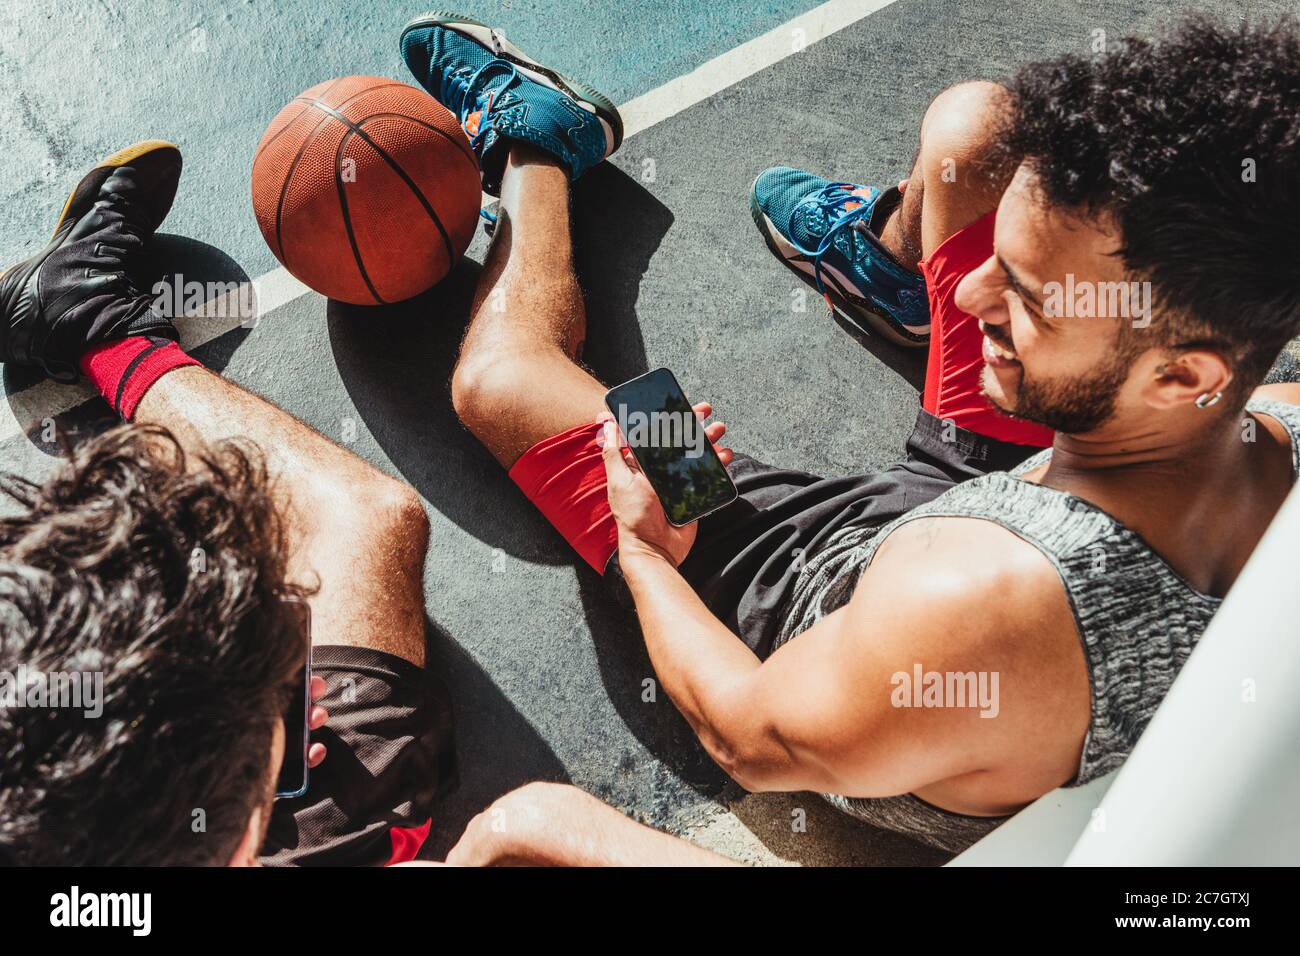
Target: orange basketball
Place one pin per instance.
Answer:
(366, 189)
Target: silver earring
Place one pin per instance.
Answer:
(1205, 399)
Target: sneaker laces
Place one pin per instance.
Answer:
(474, 122)
(833, 201)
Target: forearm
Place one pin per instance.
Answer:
(560, 825)
(702, 665)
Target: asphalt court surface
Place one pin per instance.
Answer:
(546, 671)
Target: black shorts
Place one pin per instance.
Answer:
(747, 556)
(390, 758)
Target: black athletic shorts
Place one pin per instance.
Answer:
(390, 758)
(747, 556)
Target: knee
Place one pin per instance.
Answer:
(396, 516)
(363, 522)
(373, 518)
(483, 387)
(962, 126)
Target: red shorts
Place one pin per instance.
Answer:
(564, 476)
(952, 378)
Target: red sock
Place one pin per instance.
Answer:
(124, 370)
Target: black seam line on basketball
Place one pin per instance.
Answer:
(313, 100)
(460, 142)
(130, 370)
(284, 187)
(261, 149)
(347, 217)
(451, 257)
(305, 111)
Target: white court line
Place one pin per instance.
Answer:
(742, 62)
(48, 398)
(215, 317)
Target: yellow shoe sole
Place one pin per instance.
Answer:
(120, 158)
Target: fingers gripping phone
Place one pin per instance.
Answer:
(668, 441)
(292, 781)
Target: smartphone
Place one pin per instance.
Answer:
(668, 441)
(293, 771)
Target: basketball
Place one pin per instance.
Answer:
(366, 189)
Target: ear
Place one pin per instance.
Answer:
(246, 853)
(1180, 379)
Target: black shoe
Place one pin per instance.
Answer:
(76, 292)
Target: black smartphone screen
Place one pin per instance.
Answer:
(292, 781)
(660, 427)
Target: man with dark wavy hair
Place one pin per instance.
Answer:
(1101, 258)
(162, 558)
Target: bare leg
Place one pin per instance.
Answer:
(954, 181)
(357, 532)
(518, 379)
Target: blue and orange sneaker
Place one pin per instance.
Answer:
(500, 93)
(823, 229)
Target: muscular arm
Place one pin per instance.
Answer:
(949, 595)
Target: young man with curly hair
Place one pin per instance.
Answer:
(162, 558)
(1101, 258)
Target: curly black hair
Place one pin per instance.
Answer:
(1192, 142)
(166, 576)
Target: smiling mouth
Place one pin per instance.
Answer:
(997, 355)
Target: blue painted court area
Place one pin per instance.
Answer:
(546, 670)
(79, 78)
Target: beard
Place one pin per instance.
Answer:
(1069, 405)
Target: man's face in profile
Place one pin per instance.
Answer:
(1053, 302)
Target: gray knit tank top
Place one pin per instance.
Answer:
(1137, 617)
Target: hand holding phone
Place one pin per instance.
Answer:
(675, 464)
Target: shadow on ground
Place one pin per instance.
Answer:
(628, 677)
(907, 363)
(396, 364)
(497, 749)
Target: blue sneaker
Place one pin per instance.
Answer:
(500, 93)
(822, 229)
